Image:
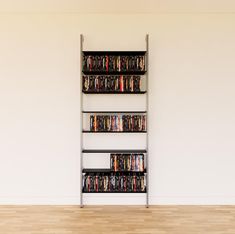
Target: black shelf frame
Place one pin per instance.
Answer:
(117, 151)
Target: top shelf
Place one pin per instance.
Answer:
(114, 53)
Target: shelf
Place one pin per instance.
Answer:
(114, 53)
(114, 151)
(114, 131)
(108, 170)
(114, 92)
(96, 170)
(116, 112)
(113, 72)
(116, 192)
(109, 69)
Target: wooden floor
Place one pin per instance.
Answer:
(117, 219)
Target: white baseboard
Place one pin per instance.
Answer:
(118, 199)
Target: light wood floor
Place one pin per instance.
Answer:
(117, 219)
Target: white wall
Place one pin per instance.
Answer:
(192, 116)
(122, 6)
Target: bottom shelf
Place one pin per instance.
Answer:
(115, 192)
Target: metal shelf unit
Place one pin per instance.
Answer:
(84, 151)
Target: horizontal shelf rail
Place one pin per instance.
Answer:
(108, 171)
(131, 53)
(115, 192)
(113, 72)
(121, 151)
(84, 131)
(113, 92)
(115, 112)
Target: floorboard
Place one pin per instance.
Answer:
(117, 220)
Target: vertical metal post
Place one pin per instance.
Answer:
(81, 122)
(147, 109)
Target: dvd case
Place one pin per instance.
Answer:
(117, 123)
(127, 162)
(101, 182)
(111, 83)
(110, 63)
